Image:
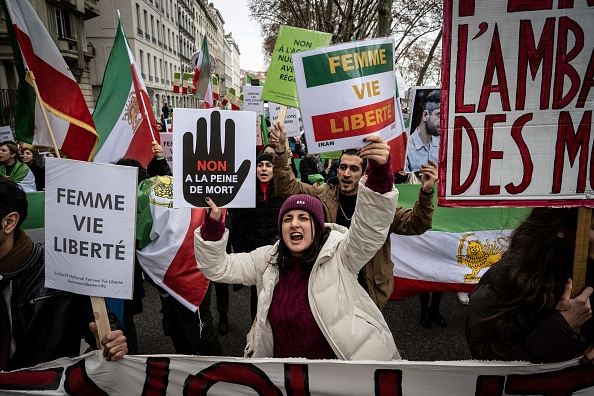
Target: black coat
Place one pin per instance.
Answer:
(255, 227)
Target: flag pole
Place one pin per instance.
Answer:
(42, 105)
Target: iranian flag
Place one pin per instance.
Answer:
(165, 236)
(230, 97)
(215, 88)
(236, 105)
(123, 115)
(451, 257)
(202, 80)
(176, 82)
(38, 60)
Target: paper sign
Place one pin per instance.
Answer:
(6, 134)
(214, 156)
(167, 144)
(252, 100)
(291, 119)
(90, 218)
(347, 92)
(280, 79)
(517, 104)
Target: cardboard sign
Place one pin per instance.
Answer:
(347, 92)
(517, 104)
(167, 144)
(222, 376)
(90, 218)
(280, 80)
(214, 156)
(252, 99)
(6, 134)
(291, 119)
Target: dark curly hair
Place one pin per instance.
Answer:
(538, 263)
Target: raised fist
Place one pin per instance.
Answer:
(212, 173)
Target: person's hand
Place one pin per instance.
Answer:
(376, 149)
(576, 311)
(114, 343)
(278, 137)
(588, 355)
(225, 182)
(429, 176)
(157, 149)
(214, 211)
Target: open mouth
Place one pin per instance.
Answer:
(296, 237)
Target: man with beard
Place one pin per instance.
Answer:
(339, 196)
(423, 143)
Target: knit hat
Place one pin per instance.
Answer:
(264, 157)
(311, 205)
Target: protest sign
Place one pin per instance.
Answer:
(167, 144)
(280, 79)
(252, 99)
(347, 92)
(214, 156)
(5, 134)
(90, 227)
(418, 95)
(223, 376)
(517, 104)
(291, 119)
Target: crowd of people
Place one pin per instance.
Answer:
(316, 254)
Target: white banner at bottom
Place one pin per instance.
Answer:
(192, 375)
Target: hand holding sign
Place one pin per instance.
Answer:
(212, 172)
(278, 136)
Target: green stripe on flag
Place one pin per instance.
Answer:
(35, 211)
(464, 219)
(117, 81)
(335, 66)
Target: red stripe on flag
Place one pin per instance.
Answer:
(354, 122)
(398, 151)
(183, 274)
(405, 288)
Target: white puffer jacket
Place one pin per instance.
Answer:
(353, 325)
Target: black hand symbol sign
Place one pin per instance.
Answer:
(212, 173)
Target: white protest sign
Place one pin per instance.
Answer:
(214, 156)
(90, 223)
(5, 134)
(167, 144)
(252, 100)
(291, 119)
(347, 92)
(517, 103)
(223, 376)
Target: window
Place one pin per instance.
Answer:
(146, 22)
(138, 22)
(63, 23)
(152, 26)
(148, 61)
(141, 62)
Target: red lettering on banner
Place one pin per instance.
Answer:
(563, 68)
(234, 373)
(459, 123)
(466, 8)
(563, 382)
(354, 122)
(495, 61)
(489, 385)
(212, 166)
(31, 380)
(488, 154)
(461, 71)
(297, 379)
(388, 382)
(567, 137)
(157, 376)
(543, 54)
(524, 153)
(78, 382)
(569, 3)
(587, 84)
(528, 5)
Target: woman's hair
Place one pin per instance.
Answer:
(284, 258)
(13, 148)
(538, 263)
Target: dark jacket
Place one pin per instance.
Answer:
(310, 165)
(553, 340)
(379, 271)
(255, 227)
(46, 324)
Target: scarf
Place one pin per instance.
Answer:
(18, 172)
(21, 250)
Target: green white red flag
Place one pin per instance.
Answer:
(38, 59)
(236, 105)
(215, 88)
(176, 82)
(123, 115)
(202, 80)
(230, 97)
